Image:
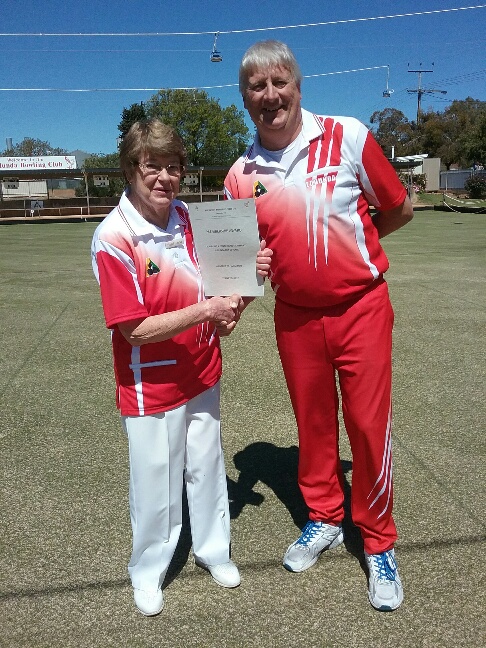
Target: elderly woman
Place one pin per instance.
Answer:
(167, 362)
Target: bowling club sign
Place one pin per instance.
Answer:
(37, 163)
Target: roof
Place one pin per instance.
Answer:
(47, 174)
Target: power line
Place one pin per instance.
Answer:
(320, 47)
(257, 29)
(228, 85)
(376, 67)
(471, 76)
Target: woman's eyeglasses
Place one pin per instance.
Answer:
(151, 170)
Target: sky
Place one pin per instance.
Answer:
(162, 44)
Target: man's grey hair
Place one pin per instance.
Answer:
(266, 54)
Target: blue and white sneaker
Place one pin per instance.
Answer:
(316, 537)
(385, 589)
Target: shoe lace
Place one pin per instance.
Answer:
(309, 532)
(384, 566)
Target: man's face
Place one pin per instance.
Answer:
(272, 99)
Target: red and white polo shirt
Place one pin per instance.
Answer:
(313, 207)
(144, 270)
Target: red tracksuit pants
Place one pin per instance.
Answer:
(354, 340)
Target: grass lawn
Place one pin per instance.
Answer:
(432, 199)
(65, 540)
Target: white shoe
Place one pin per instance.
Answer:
(316, 537)
(149, 603)
(226, 574)
(385, 589)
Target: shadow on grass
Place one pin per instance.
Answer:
(276, 467)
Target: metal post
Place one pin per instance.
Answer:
(87, 191)
(201, 169)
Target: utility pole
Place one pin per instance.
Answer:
(421, 91)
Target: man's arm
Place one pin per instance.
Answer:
(389, 220)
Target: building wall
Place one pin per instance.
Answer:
(431, 169)
(26, 188)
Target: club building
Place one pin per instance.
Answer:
(46, 186)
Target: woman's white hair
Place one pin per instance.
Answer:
(265, 54)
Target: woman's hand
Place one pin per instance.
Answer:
(237, 303)
(225, 310)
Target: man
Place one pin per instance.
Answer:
(314, 178)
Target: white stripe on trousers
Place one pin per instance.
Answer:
(161, 446)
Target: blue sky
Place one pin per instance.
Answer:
(452, 44)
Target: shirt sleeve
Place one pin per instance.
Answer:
(121, 295)
(231, 185)
(379, 180)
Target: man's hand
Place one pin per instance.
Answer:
(225, 329)
(263, 259)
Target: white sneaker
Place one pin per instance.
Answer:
(385, 589)
(149, 603)
(316, 537)
(226, 574)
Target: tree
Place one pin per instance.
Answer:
(392, 129)
(457, 134)
(438, 138)
(135, 113)
(476, 143)
(108, 161)
(471, 115)
(212, 135)
(30, 147)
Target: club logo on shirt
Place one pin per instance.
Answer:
(258, 189)
(151, 268)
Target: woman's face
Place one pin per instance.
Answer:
(155, 182)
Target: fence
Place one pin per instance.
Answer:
(450, 180)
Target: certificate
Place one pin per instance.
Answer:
(227, 241)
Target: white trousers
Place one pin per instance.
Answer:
(164, 449)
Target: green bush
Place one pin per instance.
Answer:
(475, 186)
